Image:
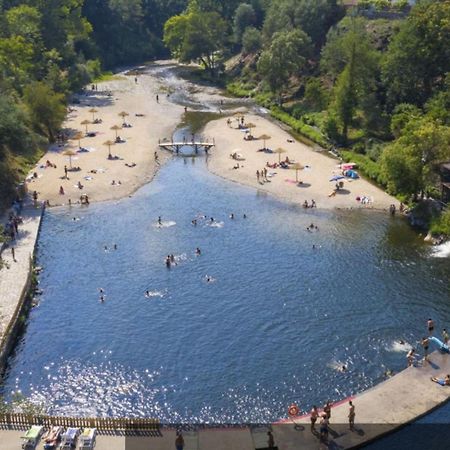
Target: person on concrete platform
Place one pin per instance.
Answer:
(351, 415)
(179, 442)
(270, 441)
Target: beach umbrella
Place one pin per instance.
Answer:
(336, 178)
(296, 167)
(109, 143)
(264, 137)
(123, 114)
(93, 111)
(250, 126)
(69, 153)
(86, 123)
(77, 137)
(116, 128)
(279, 150)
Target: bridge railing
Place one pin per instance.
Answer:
(101, 423)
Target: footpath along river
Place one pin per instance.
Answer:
(282, 311)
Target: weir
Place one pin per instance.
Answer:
(175, 147)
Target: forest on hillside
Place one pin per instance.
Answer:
(371, 80)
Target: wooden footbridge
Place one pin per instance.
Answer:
(175, 147)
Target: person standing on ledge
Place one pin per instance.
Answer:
(445, 336)
(425, 344)
(270, 441)
(351, 416)
(179, 442)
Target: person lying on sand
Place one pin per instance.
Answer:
(442, 381)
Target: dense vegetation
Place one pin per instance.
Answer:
(372, 80)
(51, 48)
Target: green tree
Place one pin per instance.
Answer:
(196, 36)
(47, 109)
(409, 164)
(313, 17)
(286, 56)
(419, 55)
(251, 40)
(244, 17)
(316, 96)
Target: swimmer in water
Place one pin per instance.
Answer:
(102, 298)
(198, 251)
(168, 262)
(343, 368)
(212, 220)
(231, 216)
(101, 290)
(106, 248)
(245, 216)
(147, 294)
(159, 221)
(194, 222)
(115, 246)
(172, 259)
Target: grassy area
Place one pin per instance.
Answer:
(106, 76)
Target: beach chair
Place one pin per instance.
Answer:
(87, 439)
(69, 439)
(51, 440)
(31, 437)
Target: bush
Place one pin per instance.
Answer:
(441, 225)
(251, 40)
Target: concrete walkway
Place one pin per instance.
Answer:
(13, 279)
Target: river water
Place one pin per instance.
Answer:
(266, 315)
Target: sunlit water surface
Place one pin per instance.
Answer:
(273, 325)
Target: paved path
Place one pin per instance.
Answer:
(13, 279)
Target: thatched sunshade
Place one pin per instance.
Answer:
(116, 128)
(77, 137)
(123, 114)
(86, 123)
(69, 153)
(264, 137)
(109, 143)
(296, 167)
(93, 111)
(279, 150)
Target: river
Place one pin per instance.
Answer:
(266, 315)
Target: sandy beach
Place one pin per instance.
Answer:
(315, 177)
(136, 163)
(106, 179)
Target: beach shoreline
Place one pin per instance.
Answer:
(145, 97)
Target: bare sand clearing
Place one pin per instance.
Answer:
(315, 177)
(97, 172)
(157, 120)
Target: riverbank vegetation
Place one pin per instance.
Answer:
(370, 80)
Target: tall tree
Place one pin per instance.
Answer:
(196, 36)
(419, 55)
(285, 57)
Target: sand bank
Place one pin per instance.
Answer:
(155, 120)
(319, 168)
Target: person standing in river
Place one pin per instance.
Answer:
(430, 326)
(425, 344)
(179, 442)
(445, 336)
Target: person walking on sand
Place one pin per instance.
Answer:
(430, 326)
(179, 441)
(425, 344)
(65, 172)
(13, 254)
(314, 416)
(351, 416)
(257, 175)
(157, 98)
